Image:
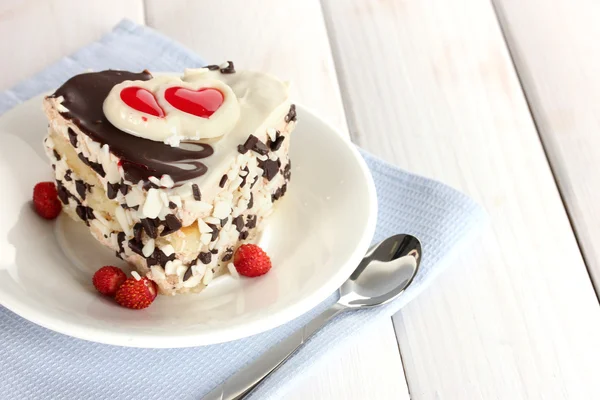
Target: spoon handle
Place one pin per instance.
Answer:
(239, 385)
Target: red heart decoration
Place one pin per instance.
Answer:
(201, 103)
(142, 100)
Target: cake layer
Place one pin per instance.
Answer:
(178, 232)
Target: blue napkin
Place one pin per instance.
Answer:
(36, 363)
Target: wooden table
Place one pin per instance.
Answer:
(499, 99)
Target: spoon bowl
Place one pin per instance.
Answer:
(383, 274)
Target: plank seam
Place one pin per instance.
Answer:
(400, 353)
(508, 39)
(145, 11)
(354, 134)
(346, 100)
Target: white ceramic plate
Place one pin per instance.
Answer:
(316, 237)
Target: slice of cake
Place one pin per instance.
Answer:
(171, 172)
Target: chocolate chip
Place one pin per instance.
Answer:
(83, 159)
(93, 165)
(81, 188)
(81, 212)
(188, 274)
(276, 195)
(56, 155)
(291, 115)
(260, 148)
(215, 232)
(149, 185)
(270, 168)
(245, 176)
(244, 235)
(196, 192)
(126, 207)
(214, 251)
(239, 223)
(124, 188)
(277, 143)
(53, 167)
(158, 257)
(136, 247)
(205, 257)
(90, 213)
(149, 227)
(224, 221)
(137, 231)
(242, 149)
(229, 69)
(223, 181)
(279, 193)
(72, 137)
(250, 142)
(254, 183)
(120, 240)
(172, 205)
(98, 168)
(150, 261)
(251, 201)
(212, 67)
(68, 175)
(228, 254)
(287, 171)
(166, 258)
(118, 255)
(111, 190)
(251, 221)
(63, 194)
(172, 224)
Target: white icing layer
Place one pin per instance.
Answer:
(263, 101)
(176, 125)
(249, 101)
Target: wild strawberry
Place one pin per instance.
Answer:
(136, 294)
(250, 260)
(45, 200)
(108, 279)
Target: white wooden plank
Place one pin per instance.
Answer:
(555, 49)
(285, 37)
(371, 370)
(288, 38)
(430, 86)
(38, 33)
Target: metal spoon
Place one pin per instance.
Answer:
(383, 274)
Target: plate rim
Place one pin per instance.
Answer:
(222, 335)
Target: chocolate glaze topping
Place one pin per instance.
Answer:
(140, 158)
